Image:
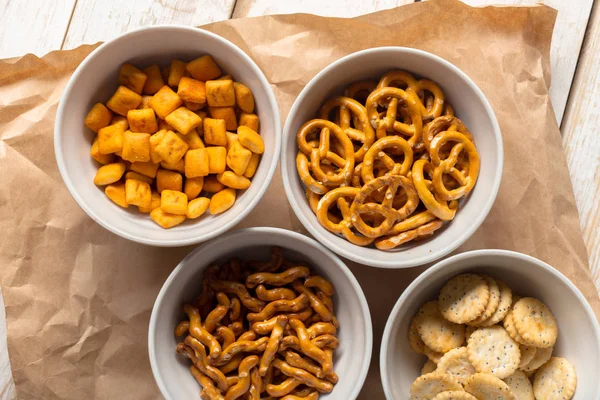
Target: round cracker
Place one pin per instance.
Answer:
(429, 367)
(488, 387)
(414, 340)
(469, 330)
(540, 358)
(520, 386)
(492, 350)
(428, 385)
(437, 333)
(535, 322)
(433, 355)
(509, 324)
(555, 380)
(464, 298)
(492, 304)
(505, 303)
(454, 395)
(527, 354)
(456, 363)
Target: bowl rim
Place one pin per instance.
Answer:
(193, 239)
(231, 237)
(385, 340)
(323, 235)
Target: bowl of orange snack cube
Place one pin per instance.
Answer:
(391, 157)
(167, 135)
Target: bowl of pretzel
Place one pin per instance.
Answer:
(257, 313)
(392, 157)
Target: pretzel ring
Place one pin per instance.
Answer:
(388, 123)
(360, 90)
(273, 344)
(280, 279)
(343, 227)
(447, 166)
(240, 388)
(439, 208)
(351, 109)
(435, 109)
(344, 161)
(377, 152)
(390, 242)
(303, 167)
(385, 209)
(441, 124)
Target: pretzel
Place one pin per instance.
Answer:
(296, 360)
(236, 327)
(343, 227)
(344, 161)
(321, 328)
(303, 376)
(209, 391)
(447, 165)
(240, 291)
(350, 109)
(438, 207)
(232, 365)
(241, 388)
(272, 344)
(329, 304)
(442, 124)
(308, 348)
(216, 315)
(197, 331)
(197, 355)
(292, 342)
(299, 303)
(255, 385)
(303, 315)
(235, 311)
(315, 302)
(280, 279)
(385, 209)
(305, 391)
(225, 335)
(182, 328)
(377, 152)
(394, 98)
(283, 388)
(274, 294)
(310, 396)
(232, 380)
(359, 91)
(390, 242)
(320, 283)
(240, 346)
(272, 265)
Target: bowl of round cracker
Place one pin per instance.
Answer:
(491, 324)
(391, 157)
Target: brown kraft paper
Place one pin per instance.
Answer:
(78, 298)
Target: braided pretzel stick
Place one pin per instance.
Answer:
(216, 315)
(310, 396)
(351, 109)
(273, 344)
(197, 331)
(241, 388)
(329, 304)
(321, 328)
(305, 377)
(225, 336)
(283, 388)
(377, 152)
(240, 291)
(360, 90)
(309, 349)
(389, 123)
(274, 294)
(197, 354)
(182, 328)
(235, 312)
(209, 390)
(320, 283)
(236, 327)
(441, 124)
(280, 279)
(298, 304)
(296, 360)
(440, 208)
(345, 160)
(303, 315)
(391, 242)
(343, 227)
(447, 166)
(315, 302)
(241, 346)
(385, 209)
(232, 365)
(256, 385)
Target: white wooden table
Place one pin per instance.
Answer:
(40, 26)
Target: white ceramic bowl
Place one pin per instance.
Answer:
(578, 328)
(351, 359)
(96, 79)
(470, 105)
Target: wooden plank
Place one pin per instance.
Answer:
(581, 141)
(99, 20)
(568, 36)
(33, 29)
(331, 8)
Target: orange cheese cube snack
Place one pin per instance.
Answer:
(222, 201)
(192, 91)
(171, 148)
(155, 80)
(138, 193)
(238, 158)
(249, 120)
(214, 132)
(142, 121)
(197, 207)
(173, 202)
(192, 106)
(155, 141)
(179, 166)
(116, 192)
(164, 102)
(197, 163)
(168, 180)
(164, 219)
(203, 68)
(193, 187)
(212, 185)
(110, 139)
(145, 168)
(225, 113)
(252, 166)
(98, 117)
(101, 158)
(183, 120)
(251, 140)
(162, 124)
(155, 203)
(233, 180)
(136, 147)
(124, 100)
(109, 173)
(176, 72)
(132, 78)
(243, 97)
(217, 159)
(220, 93)
(145, 102)
(139, 177)
(120, 121)
(193, 139)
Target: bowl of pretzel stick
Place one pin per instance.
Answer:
(491, 324)
(260, 312)
(392, 157)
